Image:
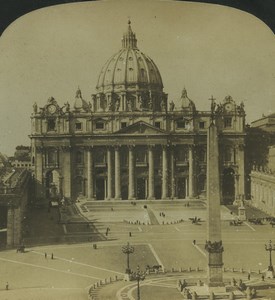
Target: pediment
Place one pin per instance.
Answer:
(141, 128)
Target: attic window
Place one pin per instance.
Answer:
(131, 69)
(181, 124)
(157, 124)
(123, 124)
(99, 125)
(202, 125)
(130, 58)
(78, 126)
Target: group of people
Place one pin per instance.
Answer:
(46, 255)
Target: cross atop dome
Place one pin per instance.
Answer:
(129, 38)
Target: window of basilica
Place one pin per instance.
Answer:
(79, 159)
(51, 125)
(227, 122)
(78, 126)
(99, 125)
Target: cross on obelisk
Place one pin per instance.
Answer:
(214, 241)
(213, 106)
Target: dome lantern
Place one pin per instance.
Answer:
(129, 38)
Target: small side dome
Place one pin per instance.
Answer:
(186, 103)
(80, 105)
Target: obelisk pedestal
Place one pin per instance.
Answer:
(213, 244)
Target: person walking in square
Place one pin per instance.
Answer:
(7, 286)
(52, 256)
(45, 255)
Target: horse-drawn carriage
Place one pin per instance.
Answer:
(235, 223)
(195, 220)
(256, 221)
(21, 249)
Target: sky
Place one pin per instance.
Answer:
(208, 49)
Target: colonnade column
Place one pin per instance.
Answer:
(109, 174)
(131, 191)
(117, 174)
(151, 178)
(191, 173)
(164, 172)
(90, 177)
(172, 173)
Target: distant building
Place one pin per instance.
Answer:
(130, 142)
(263, 185)
(22, 164)
(22, 157)
(266, 123)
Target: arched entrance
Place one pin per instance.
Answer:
(141, 188)
(228, 186)
(100, 188)
(52, 184)
(181, 188)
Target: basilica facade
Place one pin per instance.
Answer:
(130, 142)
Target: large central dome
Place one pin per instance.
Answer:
(130, 81)
(129, 68)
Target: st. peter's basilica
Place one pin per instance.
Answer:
(129, 141)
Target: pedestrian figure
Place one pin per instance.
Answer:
(130, 234)
(45, 254)
(194, 242)
(248, 276)
(263, 277)
(7, 286)
(52, 256)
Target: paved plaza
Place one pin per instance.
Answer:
(76, 265)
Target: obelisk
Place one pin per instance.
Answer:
(214, 240)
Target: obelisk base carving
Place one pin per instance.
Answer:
(215, 265)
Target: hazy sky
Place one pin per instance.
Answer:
(207, 48)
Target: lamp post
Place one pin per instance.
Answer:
(138, 276)
(128, 250)
(270, 270)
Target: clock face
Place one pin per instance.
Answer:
(228, 107)
(51, 109)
